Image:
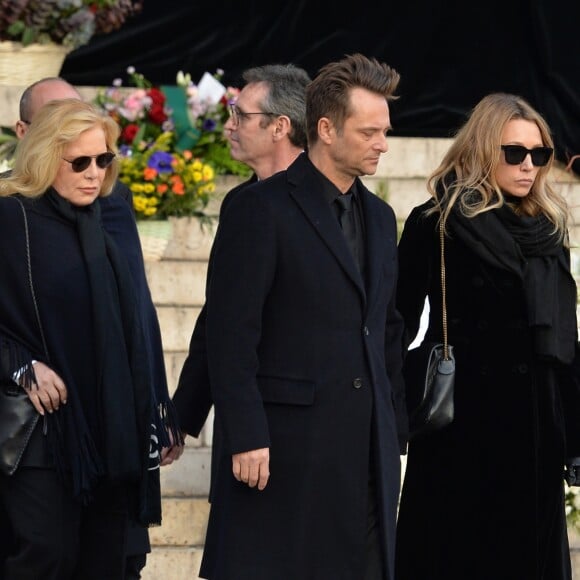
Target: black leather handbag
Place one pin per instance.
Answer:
(18, 417)
(429, 373)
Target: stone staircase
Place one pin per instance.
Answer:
(177, 283)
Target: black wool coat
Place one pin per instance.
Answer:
(306, 360)
(484, 498)
(192, 397)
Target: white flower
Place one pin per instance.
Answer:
(183, 80)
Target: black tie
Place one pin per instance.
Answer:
(348, 223)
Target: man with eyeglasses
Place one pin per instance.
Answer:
(266, 131)
(113, 211)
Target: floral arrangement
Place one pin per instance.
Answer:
(71, 23)
(171, 143)
(165, 182)
(207, 115)
(140, 111)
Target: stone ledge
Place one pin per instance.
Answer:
(172, 563)
(184, 523)
(177, 282)
(189, 477)
(173, 365)
(176, 324)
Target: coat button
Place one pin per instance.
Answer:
(357, 383)
(366, 330)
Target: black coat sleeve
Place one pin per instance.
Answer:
(416, 249)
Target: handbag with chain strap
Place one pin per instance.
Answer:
(429, 373)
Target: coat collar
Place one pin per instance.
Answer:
(316, 209)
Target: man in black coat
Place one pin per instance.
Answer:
(267, 132)
(304, 353)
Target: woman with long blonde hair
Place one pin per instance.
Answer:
(483, 498)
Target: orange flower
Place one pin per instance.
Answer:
(177, 186)
(149, 173)
(187, 154)
(162, 188)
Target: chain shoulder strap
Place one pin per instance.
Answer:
(31, 285)
(443, 289)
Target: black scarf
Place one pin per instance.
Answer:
(526, 246)
(125, 405)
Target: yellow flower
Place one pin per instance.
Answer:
(208, 172)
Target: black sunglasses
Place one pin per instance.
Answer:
(515, 154)
(103, 160)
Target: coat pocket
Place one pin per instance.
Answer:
(286, 391)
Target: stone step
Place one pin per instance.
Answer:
(184, 522)
(177, 282)
(177, 545)
(173, 563)
(173, 365)
(190, 475)
(177, 324)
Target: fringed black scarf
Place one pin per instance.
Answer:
(125, 413)
(528, 247)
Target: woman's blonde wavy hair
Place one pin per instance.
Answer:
(467, 173)
(39, 153)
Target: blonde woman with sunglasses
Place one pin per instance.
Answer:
(73, 336)
(483, 498)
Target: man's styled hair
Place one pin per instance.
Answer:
(328, 95)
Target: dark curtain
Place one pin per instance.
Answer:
(450, 53)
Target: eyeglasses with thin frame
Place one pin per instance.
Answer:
(238, 115)
(103, 160)
(515, 154)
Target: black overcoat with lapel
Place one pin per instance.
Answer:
(306, 360)
(484, 497)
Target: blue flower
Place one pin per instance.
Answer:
(161, 161)
(209, 125)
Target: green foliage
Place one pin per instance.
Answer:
(70, 23)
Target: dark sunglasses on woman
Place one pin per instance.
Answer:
(103, 160)
(515, 154)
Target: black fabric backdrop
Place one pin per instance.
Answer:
(449, 53)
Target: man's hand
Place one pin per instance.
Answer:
(252, 467)
(173, 453)
(50, 391)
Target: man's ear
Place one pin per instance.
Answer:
(282, 126)
(20, 129)
(326, 131)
